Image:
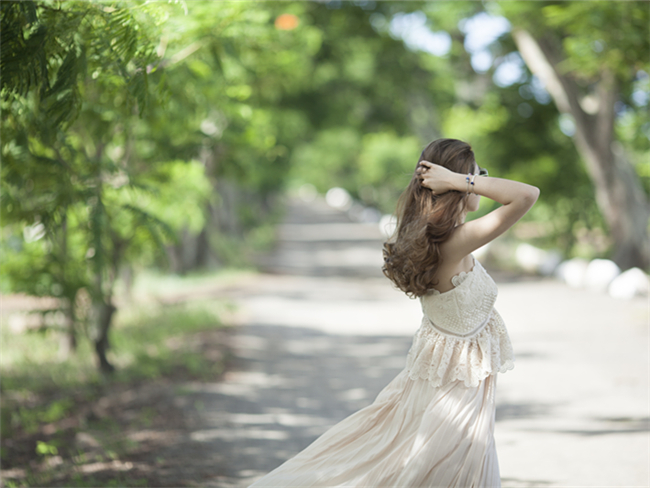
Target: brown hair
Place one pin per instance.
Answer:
(425, 220)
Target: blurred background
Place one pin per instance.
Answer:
(151, 151)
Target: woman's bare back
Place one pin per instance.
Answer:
(449, 269)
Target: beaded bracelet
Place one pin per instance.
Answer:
(470, 183)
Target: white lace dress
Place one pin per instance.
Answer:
(432, 425)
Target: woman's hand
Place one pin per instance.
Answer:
(434, 177)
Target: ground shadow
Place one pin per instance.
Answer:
(287, 386)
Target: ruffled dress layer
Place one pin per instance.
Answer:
(432, 425)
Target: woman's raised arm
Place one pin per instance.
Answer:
(516, 199)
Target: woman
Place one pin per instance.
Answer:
(432, 426)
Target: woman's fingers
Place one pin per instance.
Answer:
(423, 167)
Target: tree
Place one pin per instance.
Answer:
(513, 125)
(228, 69)
(75, 86)
(366, 97)
(589, 56)
(367, 125)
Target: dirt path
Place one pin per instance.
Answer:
(321, 339)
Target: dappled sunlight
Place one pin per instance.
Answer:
(195, 201)
(238, 434)
(289, 420)
(401, 317)
(289, 385)
(316, 349)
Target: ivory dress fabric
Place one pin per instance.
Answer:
(432, 425)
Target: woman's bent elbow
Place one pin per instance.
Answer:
(531, 195)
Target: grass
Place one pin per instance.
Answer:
(145, 342)
(154, 342)
(47, 401)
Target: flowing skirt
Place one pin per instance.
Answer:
(412, 435)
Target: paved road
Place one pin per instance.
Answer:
(323, 332)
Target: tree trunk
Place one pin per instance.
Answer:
(619, 193)
(68, 340)
(68, 343)
(104, 314)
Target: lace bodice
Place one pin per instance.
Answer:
(464, 309)
(462, 336)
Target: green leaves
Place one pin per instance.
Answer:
(386, 165)
(595, 35)
(22, 59)
(72, 164)
(52, 50)
(107, 107)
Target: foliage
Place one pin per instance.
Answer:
(362, 101)
(601, 56)
(47, 47)
(133, 127)
(366, 137)
(609, 35)
(69, 173)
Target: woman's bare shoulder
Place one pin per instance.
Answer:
(449, 268)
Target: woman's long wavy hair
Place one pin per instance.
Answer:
(426, 220)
